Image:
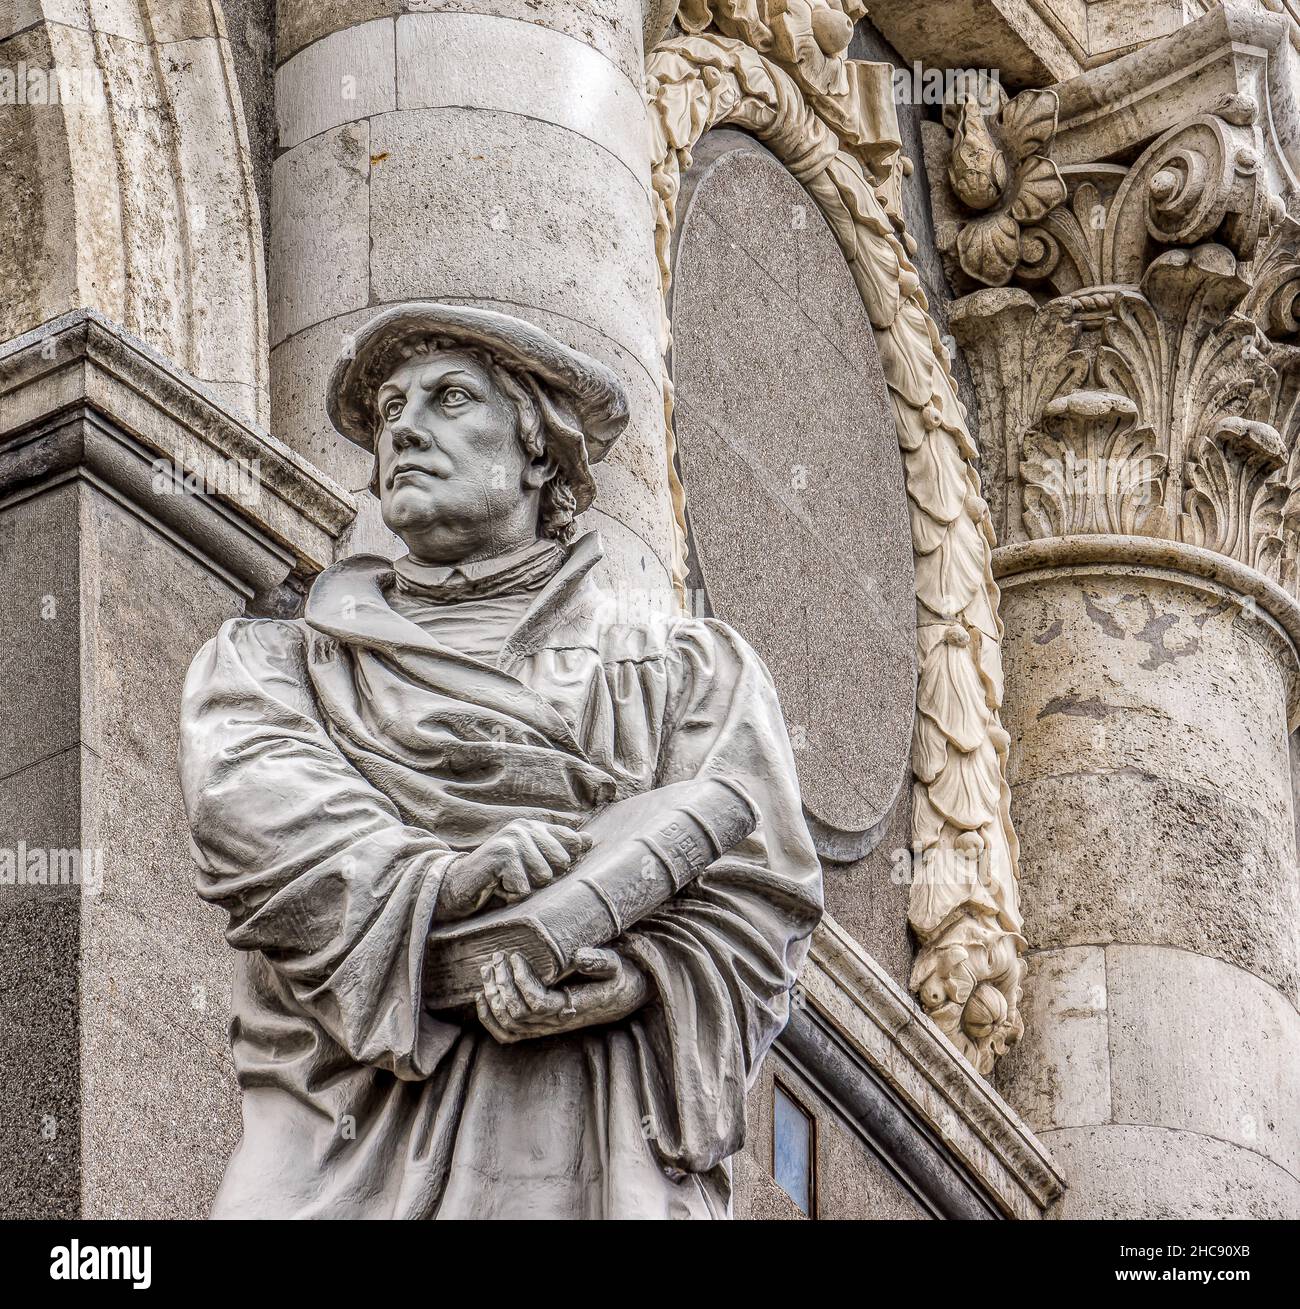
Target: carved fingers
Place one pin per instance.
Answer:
(528, 853)
(510, 864)
(515, 1005)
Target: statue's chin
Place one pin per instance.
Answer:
(434, 533)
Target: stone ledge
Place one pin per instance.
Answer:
(1233, 49)
(1024, 40)
(925, 1071)
(81, 393)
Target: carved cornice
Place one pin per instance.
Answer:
(80, 396)
(1138, 372)
(831, 122)
(909, 1054)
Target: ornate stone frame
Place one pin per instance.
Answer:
(829, 121)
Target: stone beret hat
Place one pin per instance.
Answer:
(583, 386)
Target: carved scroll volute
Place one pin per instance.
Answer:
(1237, 493)
(1091, 467)
(1200, 182)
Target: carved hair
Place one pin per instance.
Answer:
(540, 421)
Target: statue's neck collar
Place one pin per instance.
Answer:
(348, 602)
(525, 569)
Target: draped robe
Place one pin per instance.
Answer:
(333, 765)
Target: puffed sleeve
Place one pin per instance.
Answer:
(723, 954)
(313, 865)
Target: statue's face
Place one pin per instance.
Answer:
(455, 481)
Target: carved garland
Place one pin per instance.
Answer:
(964, 903)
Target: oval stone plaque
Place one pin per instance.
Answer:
(794, 481)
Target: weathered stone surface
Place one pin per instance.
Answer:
(344, 77)
(38, 219)
(40, 615)
(611, 27)
(301, 366)
(869, 897)
(1123, 856)
(155, 970)
(794, 484)
(1137, 672)
(1152, 1172)
(320, 247)
(539, 73)
(1002, 34)
(1059, 1073)
(40, 1100)
(140, 182)
(491, 206)
(1200, 1045)
(755, 1196)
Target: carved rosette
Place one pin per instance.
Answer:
(777, 70)
(1141, 373)
(999, 172)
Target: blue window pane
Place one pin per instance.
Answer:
(792, 1150)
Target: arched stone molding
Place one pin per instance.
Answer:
(829, 121)
(129, 187)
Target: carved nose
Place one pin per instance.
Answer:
(405, 435)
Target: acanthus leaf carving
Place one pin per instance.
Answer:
(1237, 494)
(1157, 349)
(1091, 468)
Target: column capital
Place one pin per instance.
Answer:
(1132, 328)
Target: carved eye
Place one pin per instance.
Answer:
(393, 409)
(455, 396)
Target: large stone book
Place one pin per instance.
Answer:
(645, 849)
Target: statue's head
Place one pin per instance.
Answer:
(484, 428)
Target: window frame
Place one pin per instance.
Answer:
(782, 1087)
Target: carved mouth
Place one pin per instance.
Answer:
(409, 471)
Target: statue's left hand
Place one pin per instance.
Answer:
(514, 1005)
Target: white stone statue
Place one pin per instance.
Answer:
(422, 750)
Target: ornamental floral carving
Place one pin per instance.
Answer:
(736, 67)
(1237, 493)
(999, 169)
(1091, 468)
(1142, 371)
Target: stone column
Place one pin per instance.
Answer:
(137, 513)
(489, 151)
(1137, 362)
(1149, 686)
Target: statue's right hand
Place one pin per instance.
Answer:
(522, 856)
